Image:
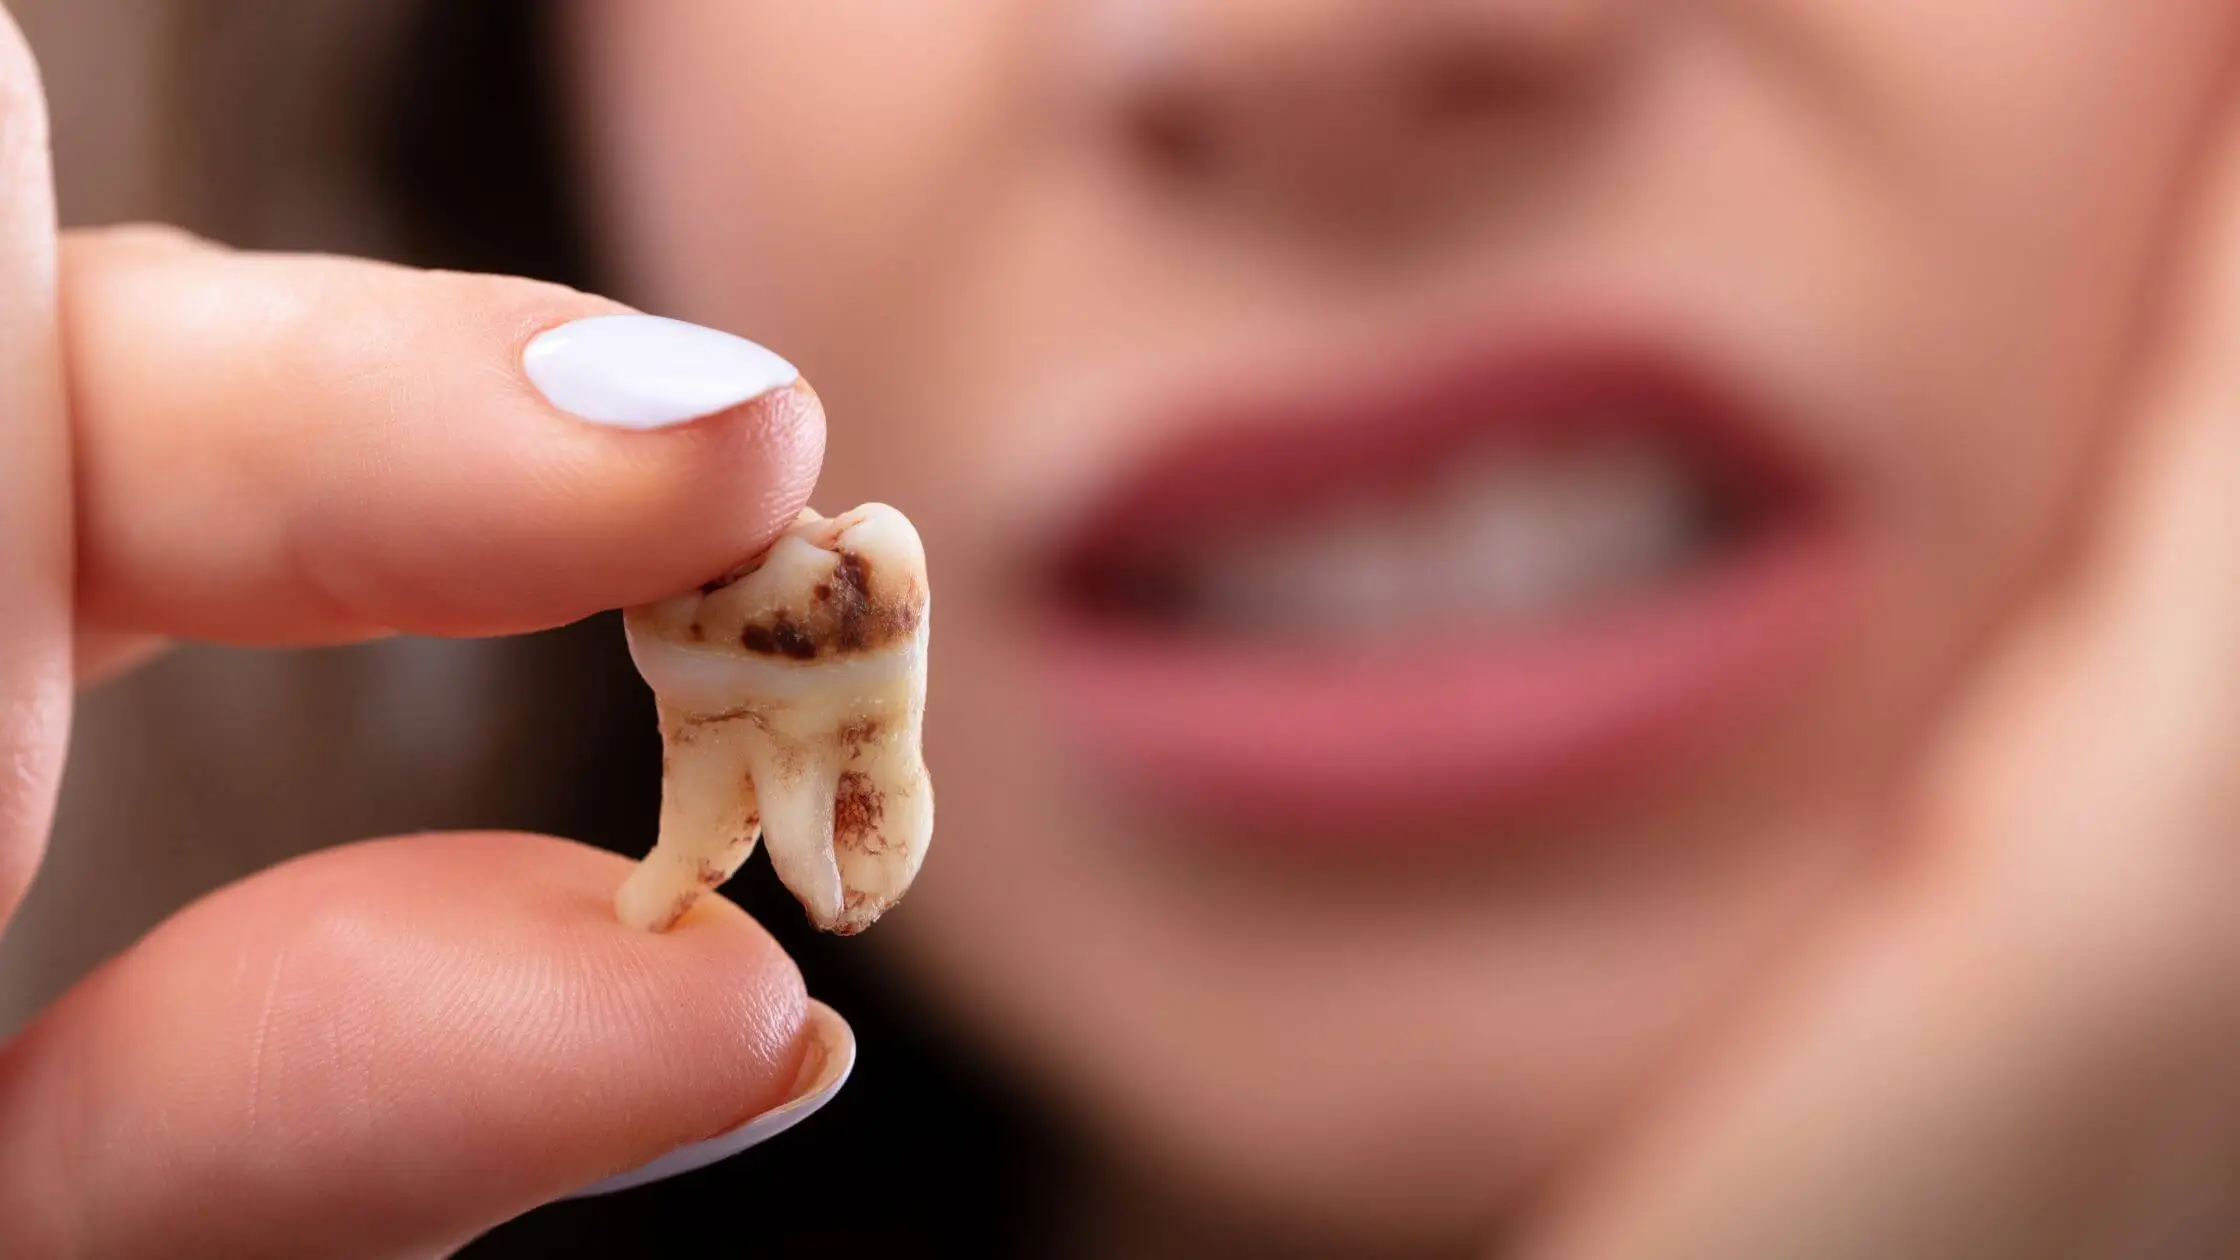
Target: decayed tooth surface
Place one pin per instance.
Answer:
(792, 697)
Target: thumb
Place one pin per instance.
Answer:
(384, 1050)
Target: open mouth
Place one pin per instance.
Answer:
(1479, 588)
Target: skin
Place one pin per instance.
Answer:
(1960, 906)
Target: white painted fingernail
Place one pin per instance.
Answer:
(646, 372)
(824, 1069)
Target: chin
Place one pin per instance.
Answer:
(1399, 1055)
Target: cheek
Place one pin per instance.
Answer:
(2039, 150)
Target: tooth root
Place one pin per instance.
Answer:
(709, 821)
(798, 793)
(883, 817)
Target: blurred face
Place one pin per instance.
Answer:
(1447, 516)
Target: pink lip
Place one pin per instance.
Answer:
(1356, 743)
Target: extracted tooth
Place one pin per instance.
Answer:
(708, 821)
(792, 696)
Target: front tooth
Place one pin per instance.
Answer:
(1502, 538)
(1543, 535)
(792, 695)
(1336, 577)
(1506, 551)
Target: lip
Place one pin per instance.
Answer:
(1355, 742)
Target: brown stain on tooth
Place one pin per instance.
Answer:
(677, 910)
(859, 621)
(780, 638)
(843, 614)
(856, 812)
(852, 603)
(791, 640)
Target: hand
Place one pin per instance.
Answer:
(2028, 1044)
(385, 1049)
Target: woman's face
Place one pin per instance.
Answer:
(1447, 517)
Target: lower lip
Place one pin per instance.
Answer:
(1356, 745)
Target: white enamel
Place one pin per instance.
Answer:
(1505, 539)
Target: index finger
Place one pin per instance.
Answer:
(287, 449)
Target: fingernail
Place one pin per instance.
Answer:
(646, 372)
(824, 1069)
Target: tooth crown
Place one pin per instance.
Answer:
(849, 586)
(792, 699)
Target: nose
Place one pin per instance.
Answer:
(1350, 111)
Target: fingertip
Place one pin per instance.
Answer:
(825, 1067)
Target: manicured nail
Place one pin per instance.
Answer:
(646, 372)
(824, 1069)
